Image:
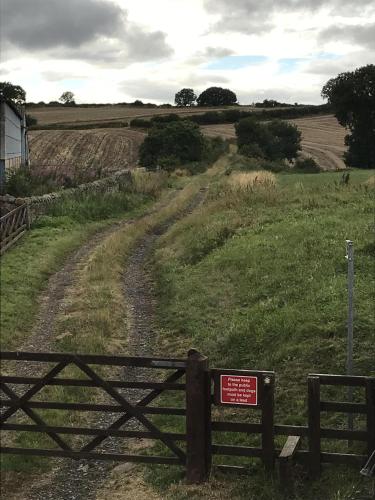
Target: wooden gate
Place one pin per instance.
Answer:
(12, 226)
(202, 391)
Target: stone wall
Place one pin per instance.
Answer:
(38, 204)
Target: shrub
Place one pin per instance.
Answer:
(276, 140)
(180, 139)
(307, 165)
(158, 119)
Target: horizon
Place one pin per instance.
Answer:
(113, 51)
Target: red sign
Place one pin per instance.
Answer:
(239, 390)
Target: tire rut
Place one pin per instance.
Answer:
(80, 480)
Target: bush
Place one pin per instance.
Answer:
(276, 140)
(180, 139)
(21, 183)
(307, 165)
(158, 119)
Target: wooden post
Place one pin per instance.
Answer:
(313, 388)
(198, 418)
(370, 402)
(267, 402)
(28, 216)
(285, 463)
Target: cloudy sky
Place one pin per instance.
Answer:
(121, 50)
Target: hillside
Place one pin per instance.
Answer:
(322, 138)
(83, 153)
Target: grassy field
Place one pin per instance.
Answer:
(322, 138)
(256, 279)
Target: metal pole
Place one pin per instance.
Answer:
(349, 360)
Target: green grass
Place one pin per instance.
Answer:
(256, 279)
(25, 268)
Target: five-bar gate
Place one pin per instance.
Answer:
(198, 395)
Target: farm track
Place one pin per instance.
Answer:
(81, 480)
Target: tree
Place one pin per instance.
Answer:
(67, 98)
(276, 140)
(12, 92)
(217, 96)
(185, 97)
(352, 97)
(169, 146)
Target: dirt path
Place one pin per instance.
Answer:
(83, 479)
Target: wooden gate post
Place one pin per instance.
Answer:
(313, 390)
(268, 434)
(370, 402)
(198, 418)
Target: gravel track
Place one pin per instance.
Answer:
(80, 480)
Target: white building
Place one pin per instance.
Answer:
(14, 151)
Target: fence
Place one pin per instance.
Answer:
(13, 225)
(203, 390)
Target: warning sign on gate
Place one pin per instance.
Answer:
(239, 390)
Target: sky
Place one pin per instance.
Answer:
(122, 50)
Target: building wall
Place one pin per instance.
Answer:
(13, 143)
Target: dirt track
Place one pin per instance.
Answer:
(81, 480)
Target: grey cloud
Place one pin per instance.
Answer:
(254, 16)
(37, 24)
(55, 76)
(363, 35)
(217, 52)
(331, 68)
(146, 89)
(93, 30)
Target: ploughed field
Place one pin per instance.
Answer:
(86, 154)
(322, 138)
(85, 116)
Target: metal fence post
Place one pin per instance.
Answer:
(349, 360)
(198, 418)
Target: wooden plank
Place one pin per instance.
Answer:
(118, 457)
(18, 402)
(198, 418)
(87, 431)
(125, 418)
(236, 427)
(285, 459)
(132, 410)
(11, 243)
(343, 407)
(290, 447)
(346, 380)
(268, 434)
(287, 430)
(52, 405)
(313, 383)
(238, 451)
(344, 458)
(90, 383)
(38, 420)
(370, 420)
(344, 434)
(237, 469)
(94, 359)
